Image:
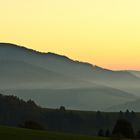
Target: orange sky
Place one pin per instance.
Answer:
(102, 32)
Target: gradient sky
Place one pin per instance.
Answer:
(102, 32)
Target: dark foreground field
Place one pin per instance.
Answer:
(10, 133)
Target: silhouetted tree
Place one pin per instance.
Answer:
(31, 103)
(127, 115)
(62, 108)
(101, 133)
(123, 127)
(107, 133)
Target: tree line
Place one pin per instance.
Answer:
(27, 114)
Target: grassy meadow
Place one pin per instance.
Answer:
(10, 133)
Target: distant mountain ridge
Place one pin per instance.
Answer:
(7, 46)
(22, 52)
(27, 69)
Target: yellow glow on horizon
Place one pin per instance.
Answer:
(102, 32)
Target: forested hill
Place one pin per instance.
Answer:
(16, 112)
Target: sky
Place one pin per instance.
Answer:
(103, 32)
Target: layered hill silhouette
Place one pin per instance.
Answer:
(53, 80)
(19, 74)
(96, 98)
